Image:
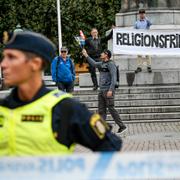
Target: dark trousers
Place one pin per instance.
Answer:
(92, 71)
(105, 102)
(66, 87)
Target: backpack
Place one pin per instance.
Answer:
(117, 76)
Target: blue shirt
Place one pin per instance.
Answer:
(62, 70)
(142, 24)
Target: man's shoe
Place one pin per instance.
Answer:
(122, 129)
(149, 69)
(110, 126)
(95, 88)
(138, 70)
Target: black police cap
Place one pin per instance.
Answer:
(32, 42)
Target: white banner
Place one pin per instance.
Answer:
(146, 42)
(142, 165)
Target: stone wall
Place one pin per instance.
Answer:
(157, 17)
(165, 69)
(130, 5)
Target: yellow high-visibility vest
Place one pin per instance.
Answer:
(27, 130)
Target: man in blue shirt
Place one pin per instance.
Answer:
(63, 72)
(143, 23)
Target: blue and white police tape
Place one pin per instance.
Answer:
(158, 165)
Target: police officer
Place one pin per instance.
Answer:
(35, 120)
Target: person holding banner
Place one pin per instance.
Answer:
(93, 45)
(107, 83)
(143, 23)
(63, 72)
(35, 120)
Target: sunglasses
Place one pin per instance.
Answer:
(63, 51)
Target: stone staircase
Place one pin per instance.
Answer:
(140, 103)
(135, 104)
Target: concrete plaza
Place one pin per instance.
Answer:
(158, 136)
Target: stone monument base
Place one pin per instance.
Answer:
(157, 77)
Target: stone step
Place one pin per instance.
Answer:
(147, 116)
(121, 90)
(137, 103)
(157, 77)
(158, 63)
(122, 97)
(143, 121)
(131, 90)
(149, 109)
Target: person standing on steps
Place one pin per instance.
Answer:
(63, 72)
(107, 83)
(93, 45)
(143, 23)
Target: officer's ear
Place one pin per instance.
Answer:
(36, 63)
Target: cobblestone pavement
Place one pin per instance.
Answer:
(164, 136)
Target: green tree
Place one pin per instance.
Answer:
(41, 16)
(83, 15)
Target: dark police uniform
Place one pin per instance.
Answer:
(70, 123)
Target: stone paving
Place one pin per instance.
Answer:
(152, 136)
(163, 136)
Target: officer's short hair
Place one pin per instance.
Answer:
(30, 55)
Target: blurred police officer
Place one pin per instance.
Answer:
(35, 120)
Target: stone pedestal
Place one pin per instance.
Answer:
(166, 69)
(157, 77)
(160, 18)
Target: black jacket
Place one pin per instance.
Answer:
(70, 120)
(94, 46)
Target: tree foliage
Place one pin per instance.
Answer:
(41, 16)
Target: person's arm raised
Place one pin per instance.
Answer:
(90, 60)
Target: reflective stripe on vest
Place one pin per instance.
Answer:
(27, 130)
